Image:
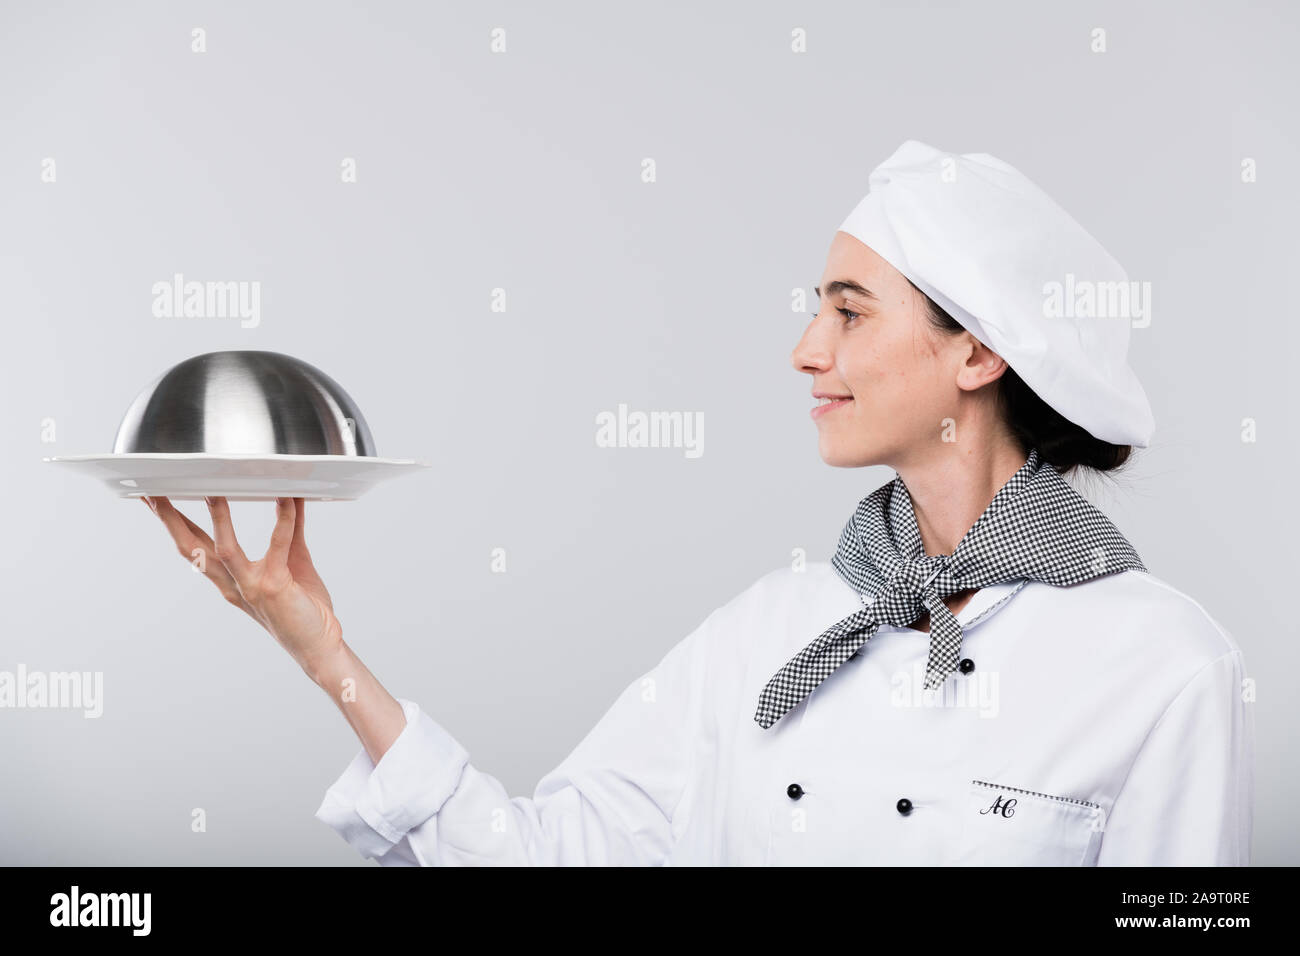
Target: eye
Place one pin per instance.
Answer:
(848, 314)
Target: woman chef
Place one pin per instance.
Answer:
(984, 673)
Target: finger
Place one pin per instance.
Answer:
(184, 532)
(299, 556)
(176, 528)
(227, 547)
(190, 537)
(277, 554)
(206, 544)
(300, 563)
(300, 521)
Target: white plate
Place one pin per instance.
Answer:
(189, 477)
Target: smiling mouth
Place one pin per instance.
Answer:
(825, 406)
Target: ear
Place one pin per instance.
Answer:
(980, 364)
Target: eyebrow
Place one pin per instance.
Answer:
(846, 285)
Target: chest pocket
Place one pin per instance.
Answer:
(1014, 826)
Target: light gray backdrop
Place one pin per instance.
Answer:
(522, 170)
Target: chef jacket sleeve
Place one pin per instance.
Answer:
(1189, 795)
(612, 801)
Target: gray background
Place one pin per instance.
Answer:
(522, 171)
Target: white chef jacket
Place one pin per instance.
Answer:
(1106, 723)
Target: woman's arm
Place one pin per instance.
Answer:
(284, 594)
(372, 712)
(1188, 797)
(411, 795)
(621, 797)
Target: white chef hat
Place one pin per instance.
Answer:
(986, 245)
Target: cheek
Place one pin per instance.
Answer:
(893, 374)
(896, 391)
(885, 375)
(867, 366)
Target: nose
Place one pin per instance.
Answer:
(812, 354)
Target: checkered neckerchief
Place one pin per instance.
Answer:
(1037, 527)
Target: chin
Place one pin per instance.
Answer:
(839, 455)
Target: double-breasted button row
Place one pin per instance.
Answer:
(904, 805)
(794, 792)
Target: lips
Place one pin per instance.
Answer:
(828, 403)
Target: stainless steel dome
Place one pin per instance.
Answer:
(244, 403)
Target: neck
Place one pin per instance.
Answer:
(951, 484)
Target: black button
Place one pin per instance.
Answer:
(967, 665)
(794, 791)
(904, 806)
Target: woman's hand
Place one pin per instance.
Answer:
(282, 591)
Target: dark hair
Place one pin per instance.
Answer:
(1035, 424)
